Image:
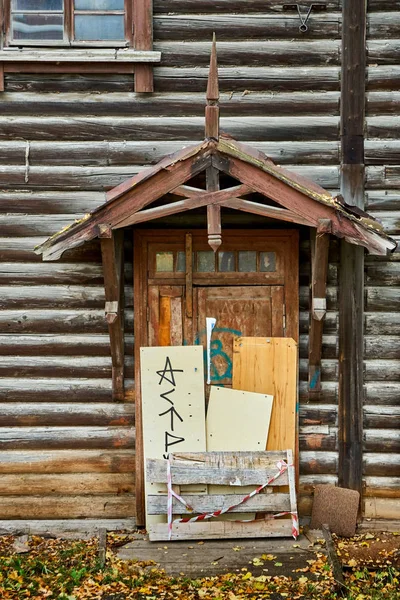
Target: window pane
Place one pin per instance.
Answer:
(205, 262)
(99, 27)
(248, 261)
(37, 27)
(164, 262)
(226, 262)
(181, 262)
(267, 262)
(99, 4)
(38, 5)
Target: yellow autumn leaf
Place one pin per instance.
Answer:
(352, 563)
(303, 580)
(247, 576)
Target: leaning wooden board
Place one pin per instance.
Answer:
(269, 366)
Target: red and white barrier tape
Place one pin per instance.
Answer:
(282, 466)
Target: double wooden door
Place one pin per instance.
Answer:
(249, 286)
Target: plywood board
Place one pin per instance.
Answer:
(237, 420)
(269, 366)
(173, 404)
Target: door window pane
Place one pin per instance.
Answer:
(99, 27)
(248, 261)
(205, 262)
(267, 262)
(37, 26)
(164, 262)
(181, 262)
(99, 4)
(226, 262)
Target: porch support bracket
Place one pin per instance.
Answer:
(113, 271)
(319, 274)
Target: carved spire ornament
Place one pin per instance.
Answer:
(212, 131)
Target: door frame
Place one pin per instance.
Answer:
(288, 238)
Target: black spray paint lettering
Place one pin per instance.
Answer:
(167, 374)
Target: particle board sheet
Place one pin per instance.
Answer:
(173, 403)
(237, 420)
(269, 366)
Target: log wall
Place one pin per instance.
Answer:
(68, 450)
(382, 276)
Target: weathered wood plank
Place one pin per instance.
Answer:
(35, 202)
(381, 417)
(383, 25)
(377, 200)
(66, 438)
(314, 462)
(382, 487)
(240, 79)
(167, 104)
(242, 26)
(50, 414)
(47, 273)
(218, 468)
(376, 464)
(157, 505)
(265, 52)
(17, 249)
(382, 370)
(48, 344)
(382, 393)
(67, 484)
(318, 414)
(382, 299)
(53, 389)
(59, 83)
(383, 274)
(235, 6)
(383, 52)
(60, 366)
(67, 461)
(152, 129)
(384, 102)
(222, 529)
(128, 152)
(382, 508)
(93, 55)
(381, 440)
(65, 528)
(62, 507)
(318, 437)
(383, 324)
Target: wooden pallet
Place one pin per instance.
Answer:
(224, 468)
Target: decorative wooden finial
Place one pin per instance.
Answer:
(212, 108)
(212, 84)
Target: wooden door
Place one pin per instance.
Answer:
(253, 311)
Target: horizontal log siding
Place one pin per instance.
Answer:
(382, 276)
(65, 140)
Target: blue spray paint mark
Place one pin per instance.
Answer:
(216, 349)
(315, 379)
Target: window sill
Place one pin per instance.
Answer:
(103, 55)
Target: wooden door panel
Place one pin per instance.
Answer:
(239, 311)
(165, 320)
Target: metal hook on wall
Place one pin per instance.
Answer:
(304, 19)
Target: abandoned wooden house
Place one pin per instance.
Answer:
(146, 188)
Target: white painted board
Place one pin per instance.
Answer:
(173, 403)
(237, 420)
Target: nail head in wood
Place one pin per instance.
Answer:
(105, 230)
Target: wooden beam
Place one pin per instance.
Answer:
(213, 211)
(143, 40)
(113, 270)
(189, 275)
(196, 200)
(265, 210)
(351, 273)
(1, 77)
(319, 273)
